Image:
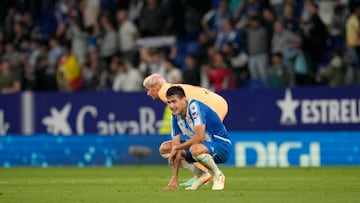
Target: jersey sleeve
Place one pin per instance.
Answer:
(175, 130)
(196, 113)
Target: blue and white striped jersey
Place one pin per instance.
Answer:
(198, 113)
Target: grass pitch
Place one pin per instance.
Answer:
(145, 184)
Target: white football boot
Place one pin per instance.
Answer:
(199, 181)
(219, 182)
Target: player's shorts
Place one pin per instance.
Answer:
(220, 151)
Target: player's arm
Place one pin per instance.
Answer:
(176, 140)
(199, 137)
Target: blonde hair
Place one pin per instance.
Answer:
(153, 80)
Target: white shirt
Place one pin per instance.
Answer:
(125, 36)
(174, 76)
(133, 81)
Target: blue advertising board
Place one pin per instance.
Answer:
(10, 114)
(296, 109)
(101, 113)
(304, 149)
(251, 149)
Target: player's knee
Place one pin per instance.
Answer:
(165, 147)
(197, 149)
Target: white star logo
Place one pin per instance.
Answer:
(57, 123)
(288, 106)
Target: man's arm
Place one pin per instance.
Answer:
(174, 159)
(176, 140)
(199, 137)
(16, 87)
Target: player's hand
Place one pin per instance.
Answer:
(172, 155)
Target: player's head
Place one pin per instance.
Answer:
(176, 100)
(152, 84)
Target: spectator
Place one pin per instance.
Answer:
(205, 71)
(289, 18)
(301, 69)
(277, 6)
(213, 19)
(113, 71)
(119, 82)
(204, 43)
(94, 73)
(10, 19)
(19, 34)
(127, 33)
(246, 10)
(315, 35)
(90, 12)
(353, 45)
(154, 19)
(191, 72)
(192, 20)
(35, 52)
(56, 50)
(28, 23)
(176, 10)
(152, 61)
(269, 19)
(107, 43)
(77, 37)
(61, 33)
(282, 40)
(94, 37)
(11, 54)
(25, 71)
(238, 58)
(258, 49)
(227, 34)
(135, 8)
(338, 21)
(127, 79)
(63, 10)
(221, 74)
(172, 73)
(9, 81)
(43, 71)
(277, 73)
(334, 72)
(134, 78)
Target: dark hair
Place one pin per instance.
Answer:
(175, 90)
(278, 54)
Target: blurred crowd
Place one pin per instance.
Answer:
(111, 45)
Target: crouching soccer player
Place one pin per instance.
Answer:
(207, 143)
(156, 87)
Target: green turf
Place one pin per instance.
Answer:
(145, 183)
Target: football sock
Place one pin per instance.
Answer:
(191, 167)
(208, 161)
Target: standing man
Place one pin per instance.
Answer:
(208, 141)
(156, 87)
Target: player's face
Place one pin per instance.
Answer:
(177, 105)
(152, 92)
